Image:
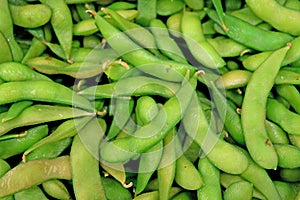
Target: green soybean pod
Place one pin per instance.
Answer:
(201, 132)
(81, 8)
(30, 15)
(169, 7)
(276, 134)
(227, 47)
(15, 109)
(5, 52)
(146, 11)
(287, 155)
(6, 27)
(287, 190)
(14, 71)
(186, 174)
(291, 94)
(164, 42)
(252, 62)
(286, 119)
(174, 24)
(186, 195)
(247, 15)
(231, 118)
(16, 146)
(167, 166)
(114, 190)
(146, 109)
(195, 4)
(294, 140)
(242, 32)
(202, 50)
(254, 106)
(153, 195)
(41, 90)
(61, 21)
(4, 168)
(85, 170)
(34, 192)
(239, 190)
(290, 175)
(287, 22)
(228, 179)
(233, 79)
(32, 173)
(38, 114)
(285, 76)
(211, 178)
(259, 177)
(50, 150)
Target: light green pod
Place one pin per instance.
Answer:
(55, 188)
(146, 11)
(239, 190)
(234, 79)
(211, 178)
(169, 7)
(174, 24)
(34, 192)
(114, 190)
(85, 170)
(288, 155)
(15, 109)
(287, 190)
(247, 15)
(276, 134)
(291, 94)
(290, 175)
(85, 27)
(252, 62)
(5, 52)
(31, 15)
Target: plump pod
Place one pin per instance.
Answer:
(287, 20)
(31, 15)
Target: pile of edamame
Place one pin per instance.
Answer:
(150, 99)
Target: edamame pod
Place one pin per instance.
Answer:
(15, 109)
(34, 192)
(55, 188)
(85, 170)
(30, 15)
(288, 155)
(146, 11)
(16, 146)
(253, 110)
(239, 190)
(5, 52)
(291, 94)
(290, 175)
(32, 173)
(287, 21)
(46, 91)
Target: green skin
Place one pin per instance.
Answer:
(276, 134)
(114, 190)
(167, 166)
(15, 109)
(30, 16)
(132, 86)
(244, 33)
(291, 94)
(287, 21)
(136, 32)
(247, 15)
(146, 11)
(146, 109)
(61, 21)
(14, 71)
(122, 111)
(169, 7)
(186, 174)
(33, 173)
(138, 57)
(38, 114)
(125, 148)
(254, 110)
(198, 128)
(19, 145)
(81, 8)
(239, 190)
(231, 118)
(46, 91)
(286, 119)
(5, 52)
(6, 27)
(226, 47)
(50, 150)
(290, 175)
(260, 179)
(211, 178)
(203, 51)
(85, 170)
(287, 190)
(165, 43)
(287, 154)
(67, 129)
(31, 193)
